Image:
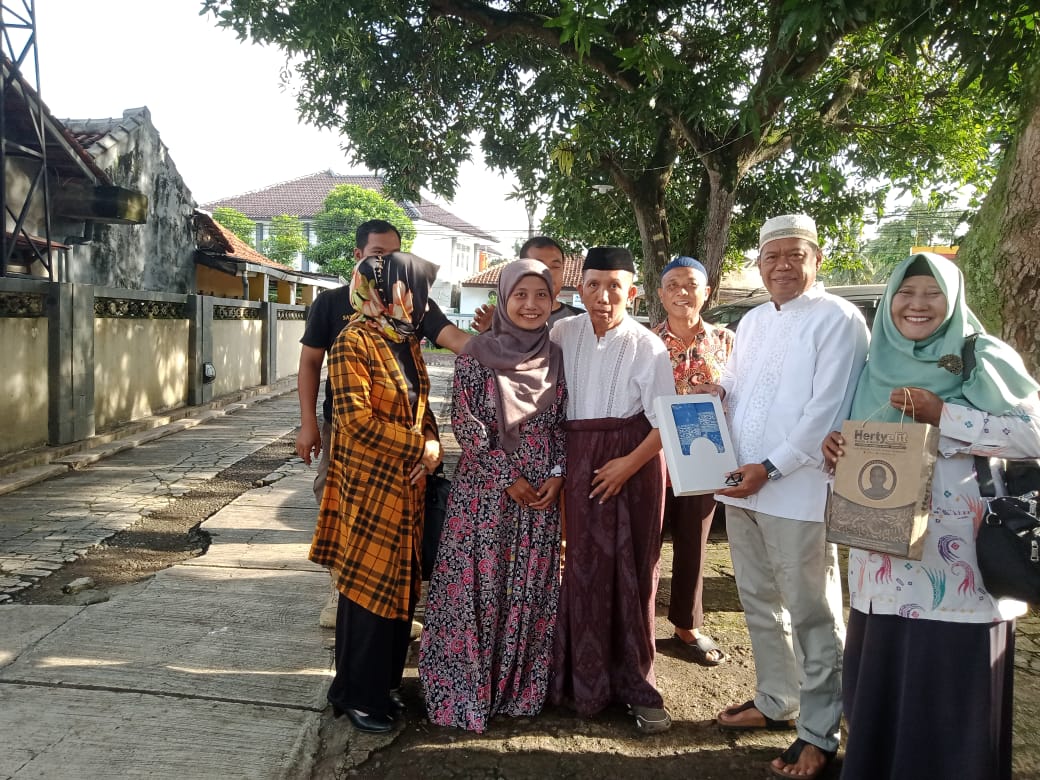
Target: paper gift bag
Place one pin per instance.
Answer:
(696, 442)
(883, 487)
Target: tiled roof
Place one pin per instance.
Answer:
(305, 196)
(489, 276)
(211, 236)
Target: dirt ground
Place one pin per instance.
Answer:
(556, 744)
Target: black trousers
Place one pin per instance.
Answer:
(926, 698)
(370, 657)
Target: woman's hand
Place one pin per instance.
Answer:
(523, 493)
(923, 405)
(548, 493)
(430, 460)
(832, 450)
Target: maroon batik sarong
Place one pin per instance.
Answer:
(604, 645)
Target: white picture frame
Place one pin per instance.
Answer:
(696, 441)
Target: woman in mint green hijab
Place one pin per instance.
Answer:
(929, 653)
(933, 363)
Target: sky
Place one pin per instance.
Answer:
(217, 102)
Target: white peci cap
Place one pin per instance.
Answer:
(788, 226)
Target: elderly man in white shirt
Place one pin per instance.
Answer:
(614, 496)
(788, 383)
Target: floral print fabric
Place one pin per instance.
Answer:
(487, 642)
(702, 361)
(945, 584)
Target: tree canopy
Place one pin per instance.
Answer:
(237, 222)
(286, 239)
(702, 115)
(922, 224)
(345, 208)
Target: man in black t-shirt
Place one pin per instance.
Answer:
(326, 318)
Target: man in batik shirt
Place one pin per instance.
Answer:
(699, 352)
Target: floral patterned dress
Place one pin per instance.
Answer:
(945, 584)
(487, 643)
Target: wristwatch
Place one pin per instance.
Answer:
(556, 471)
(772, 472)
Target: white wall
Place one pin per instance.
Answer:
(434, 243)
(23, 384)
(472, 297)
(236, 355)
(288, 346)
(140, 368)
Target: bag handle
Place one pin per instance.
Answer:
(983, 465)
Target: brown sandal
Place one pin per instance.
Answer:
(769, 725)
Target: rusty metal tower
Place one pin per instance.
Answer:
(23, 139)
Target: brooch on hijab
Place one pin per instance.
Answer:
(952, 363)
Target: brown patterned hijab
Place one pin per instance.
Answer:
(390, 293)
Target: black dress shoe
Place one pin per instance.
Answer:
(397, 705)
(372, 724)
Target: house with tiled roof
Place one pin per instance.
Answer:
(458, 247)
(480, 288)
(227, 267)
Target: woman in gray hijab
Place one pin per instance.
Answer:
(487, 642)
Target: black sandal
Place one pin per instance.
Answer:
(791, 755)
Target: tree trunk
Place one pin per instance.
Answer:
(646, 197)
(653, 230)
(1001, 244)
(648, 205)
(717, 218)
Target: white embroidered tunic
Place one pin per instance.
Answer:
(945, 584)
(790, 382)
(618, 375)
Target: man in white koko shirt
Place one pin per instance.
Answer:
(788, 383)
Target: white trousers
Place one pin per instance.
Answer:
(790, 588)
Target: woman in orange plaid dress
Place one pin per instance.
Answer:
(384, 443)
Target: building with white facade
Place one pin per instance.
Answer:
(459, 248)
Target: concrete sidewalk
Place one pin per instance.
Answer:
(216, 668)
(50, 522)
(213, 668)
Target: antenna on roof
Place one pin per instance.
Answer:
(21, 103)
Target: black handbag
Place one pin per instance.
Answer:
(437, 487)
(1008, 543)
(1008, 547)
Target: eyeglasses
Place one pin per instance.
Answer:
(734, 479)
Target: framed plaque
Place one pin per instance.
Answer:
(696, 441)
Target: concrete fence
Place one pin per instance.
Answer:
(79, 359)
